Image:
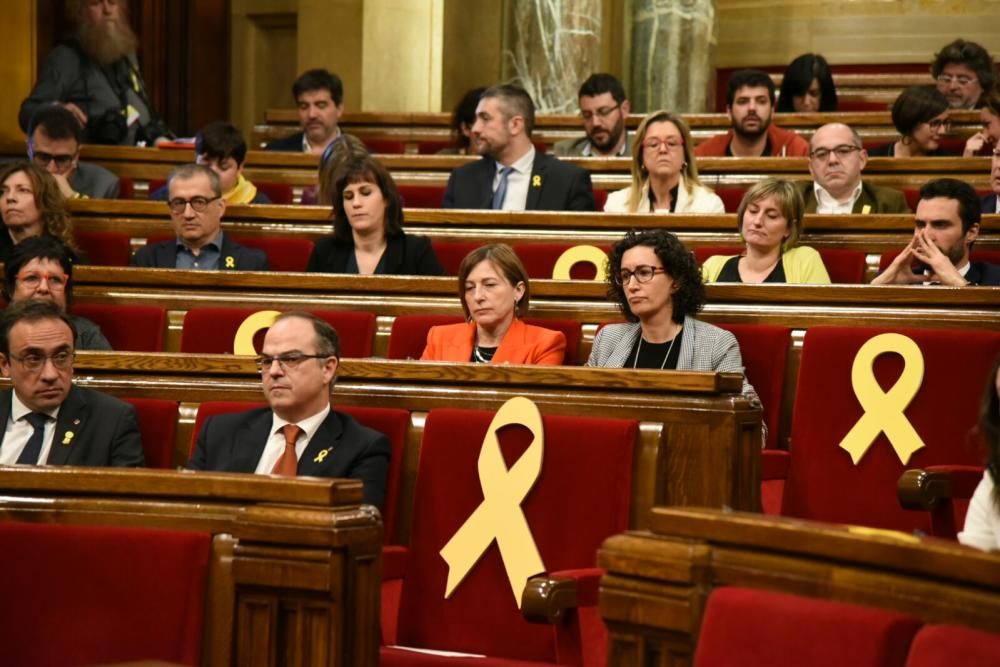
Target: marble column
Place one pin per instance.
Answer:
(550, 47)
(671, 54)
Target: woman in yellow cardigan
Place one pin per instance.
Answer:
(770, 222)
(494, 290)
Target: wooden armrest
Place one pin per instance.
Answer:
(925, 489)
(547, 598)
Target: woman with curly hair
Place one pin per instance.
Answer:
(658, 288)
(982, 521)
(32, 205)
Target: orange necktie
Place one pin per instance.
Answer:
(288, 464)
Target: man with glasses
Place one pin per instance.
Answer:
(964, 73)
(299, 434)
(46, 419)
(41, 267)
(603, 108)
(836, 160)
(54, 140)
(196, 207)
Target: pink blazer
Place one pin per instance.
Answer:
(522, 344)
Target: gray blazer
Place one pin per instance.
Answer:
(704, 347)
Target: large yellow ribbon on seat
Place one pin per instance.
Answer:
(581, 253)
(499, 516)
(243, 341)
(884, 410)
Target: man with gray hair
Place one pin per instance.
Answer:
(512, 175)
(196, 207)
(836, 159)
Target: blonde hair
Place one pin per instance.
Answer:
(790, 203)
(640, 177)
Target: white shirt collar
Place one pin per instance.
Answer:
(827, 203)
(523, 164)
(18, 409)
(309, 425)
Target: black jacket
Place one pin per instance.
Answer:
(555, 186)
(405, 255)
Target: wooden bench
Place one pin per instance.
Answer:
(294, 567)
(654, 593)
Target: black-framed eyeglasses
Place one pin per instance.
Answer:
(199, 204)
(841, 151)
(63, 360)
(288, 361)
(42, 159)
(642, 273)
(603, 112)
(939, 124)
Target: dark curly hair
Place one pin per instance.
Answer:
(989, 426)
(678, 262)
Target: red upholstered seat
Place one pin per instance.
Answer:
(104, 248)
(823, 482)
(580, 497)
(743, 627)
(158, 425)
(392, 422)
(128, 328)
(85, 595)
(844, 266)
(126, 187)
(421, 196)
(385, 146)
(600, 198)
(952, 645)
(433, 147)
(278, 193)
(540, 259)
(283, 254)
(451, 253)
(212, 330)
(731, 197)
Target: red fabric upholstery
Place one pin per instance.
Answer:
(278, 193)
(87, 595)
(991, 256)
(105, 248)
(433, 147)
(580, 497)
(451, 253)
(823, 482)
(844, 266)
(212, 330)
(158, 425)
(764, 348)
(385, 146)
(951, 645)
(773, 473)
(600, 198)
(283, 254)
(743, 627)
(731, 197)
(126, 188)
(127, 328)
(540, 259)
(421, 196)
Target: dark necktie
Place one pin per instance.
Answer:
(288, 464)
(501, 191)
(31, 450)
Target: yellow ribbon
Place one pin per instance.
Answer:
(581, 253)
(68, 438)
(536, 181)
(243, 341)
(322, 455)
(884, 410)
(230, 262)
(499, 516)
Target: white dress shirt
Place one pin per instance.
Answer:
(517, 182)
(18, 431)
(275, 446)
(827, 203)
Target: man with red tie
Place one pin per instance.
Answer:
(300, 433)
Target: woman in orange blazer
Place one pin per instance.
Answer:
(493, 287)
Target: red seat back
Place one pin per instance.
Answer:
(385, 146)
(823, 481)
(278, 193)
(126, 187)
(283, 254)
(540, 259)
(104, 248)
(743, 627)
(600, 198)
(580, 497)
(433, 147)
(114, 595)
(157, 419)
(950, 645)
(451, 253)
(128, 328)
(731, 197)
(421, 196)
(212, 330)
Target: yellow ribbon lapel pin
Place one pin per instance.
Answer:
(536, 181)
(322, 455)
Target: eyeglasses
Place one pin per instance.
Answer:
(656, 144)
(939, 124)
(199, 204)
(63, 360)
(287, 362)
(56, 281)
(42, 159)
(642, 273)
(962, 80)
(603, 112)
(842, 151)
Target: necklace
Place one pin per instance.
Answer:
(669, 350)
(483, 355)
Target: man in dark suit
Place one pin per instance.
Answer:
(947, 224)
(836, 160)
(990, 203)
(45, 418)
(319, 97)
(196, 207)
(512, 175)
(300, 434)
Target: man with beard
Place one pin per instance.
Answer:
(512, 175)
(749, 104)
(604, 108)
(96, 77)
(319, 96)
(947, 224)
(991, 203)
(836, 159)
